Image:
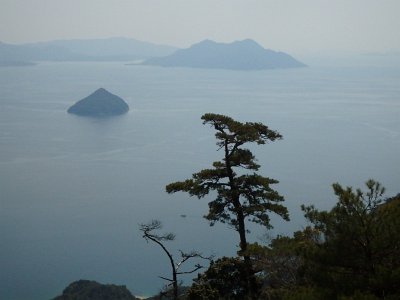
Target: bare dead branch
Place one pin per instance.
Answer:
(167, 279)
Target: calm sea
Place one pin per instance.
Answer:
(73, 190)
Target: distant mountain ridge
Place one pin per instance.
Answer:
(239, 55)
(111, 49)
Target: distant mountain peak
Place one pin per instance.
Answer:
(247, 42)
(206, 41)
(211, 43)
(239, 55)
(101, 103)
(101, 91)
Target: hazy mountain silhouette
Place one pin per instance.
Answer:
(18, 53)
(101, 103)
(240, 55)
(112, 49)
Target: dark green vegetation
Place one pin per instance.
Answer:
(92, 290)
(101, 103)
(239, 197)
(350, 252)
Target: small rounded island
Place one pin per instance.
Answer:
(101, 103)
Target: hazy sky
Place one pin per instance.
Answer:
(289, 25)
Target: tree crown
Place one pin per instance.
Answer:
(248, 195)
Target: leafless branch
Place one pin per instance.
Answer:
(167, 279)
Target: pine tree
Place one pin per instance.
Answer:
(240, 195)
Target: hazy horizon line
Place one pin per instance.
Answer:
(333, 52)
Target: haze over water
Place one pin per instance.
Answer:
(73, 190)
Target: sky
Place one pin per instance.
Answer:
(300, 26)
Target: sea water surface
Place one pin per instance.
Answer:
(73, 189)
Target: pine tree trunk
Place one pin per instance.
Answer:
(241, 227)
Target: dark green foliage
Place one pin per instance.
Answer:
(238, 197)
(359, 243)
(224, 279)
(167, 293)
(351, 252)
(92, 290)
(281, 267)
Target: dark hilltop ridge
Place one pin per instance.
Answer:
(92, 290)
(239, 55)
(101, 103)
